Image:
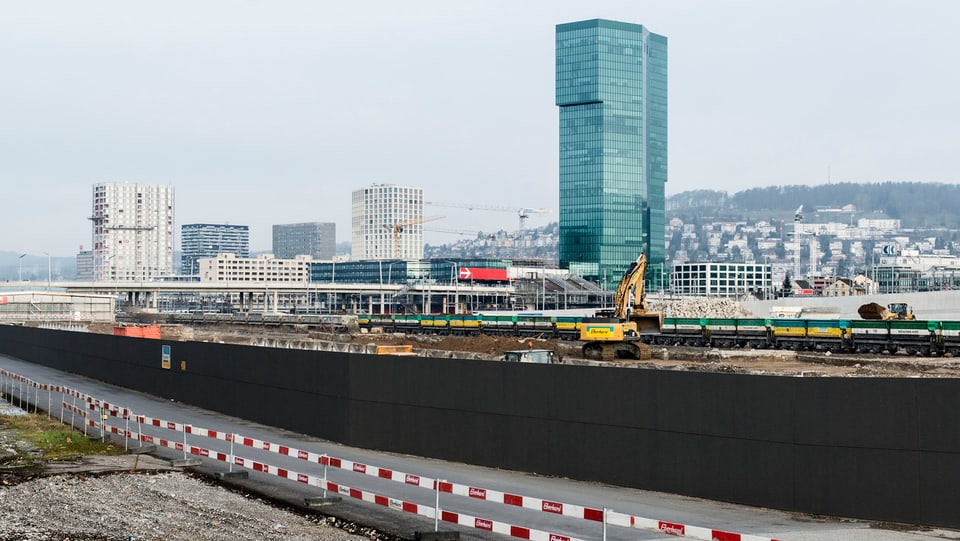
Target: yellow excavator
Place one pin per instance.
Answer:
(616, 334)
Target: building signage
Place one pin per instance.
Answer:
(482, 274)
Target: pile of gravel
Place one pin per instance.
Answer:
(142, 506)
(696, 307)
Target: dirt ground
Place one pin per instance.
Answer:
(761, 362)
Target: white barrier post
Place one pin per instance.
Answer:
(20, 394)
(73, 416)
(36, 397)
(325, 460)
(605, 510)
(436, 508)
(126, 431)
(184, 441)
(139, 433)
(230, 467)
(49, 392)
(103, 421)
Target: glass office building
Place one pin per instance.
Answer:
(611, 88)
(315, 239)
(198, 241)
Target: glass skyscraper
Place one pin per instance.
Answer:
(611, 89)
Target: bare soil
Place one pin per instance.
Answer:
(760, 362)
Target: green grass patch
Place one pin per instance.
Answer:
(54, 440)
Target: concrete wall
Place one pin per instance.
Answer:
(880, 448)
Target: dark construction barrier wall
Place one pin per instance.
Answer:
(876, 448)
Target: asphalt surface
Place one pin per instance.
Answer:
(678, 509)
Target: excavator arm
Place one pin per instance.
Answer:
(632, 282)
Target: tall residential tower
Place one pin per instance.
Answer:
(611, 88)
(132, 231)
(387, 222)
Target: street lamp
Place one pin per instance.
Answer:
(20, 272)
(48, 269)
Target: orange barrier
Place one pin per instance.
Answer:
(139, 331)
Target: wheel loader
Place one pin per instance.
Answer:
(894, 310)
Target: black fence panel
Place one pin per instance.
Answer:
(874, 448)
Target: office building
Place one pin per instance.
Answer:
(85, 266)
(209, 240)
(263, 269)
(721, 279)
(611, 89)
(315, 239)
(387, 223)
(132, 231)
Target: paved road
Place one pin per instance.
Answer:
(678, 509)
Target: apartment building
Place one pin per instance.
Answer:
(387, 223)
(132, 229)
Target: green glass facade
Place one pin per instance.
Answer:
(611, 88)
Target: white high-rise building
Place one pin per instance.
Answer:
(132, 231)
(387, 222)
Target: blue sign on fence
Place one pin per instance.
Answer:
(165, 357)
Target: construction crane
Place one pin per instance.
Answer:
(522, 213)
(397, 228)
(464, 232)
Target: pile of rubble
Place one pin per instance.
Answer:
(697, 307)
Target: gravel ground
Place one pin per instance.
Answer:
(148, 506)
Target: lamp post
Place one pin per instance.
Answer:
(48, 269)
(20, 271)
(455, 281)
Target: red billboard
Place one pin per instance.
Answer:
(481, 274)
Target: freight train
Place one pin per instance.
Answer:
(917, 337)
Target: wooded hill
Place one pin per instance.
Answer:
(917, 205)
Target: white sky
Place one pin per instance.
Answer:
(273, 112)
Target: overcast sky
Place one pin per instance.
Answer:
(273, 112)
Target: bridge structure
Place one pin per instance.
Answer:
(164, 295)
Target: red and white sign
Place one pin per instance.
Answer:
(672, 528)
(483, 274)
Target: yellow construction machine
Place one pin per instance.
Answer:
(616, 334)
(894, 310)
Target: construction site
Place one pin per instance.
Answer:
(374, 340)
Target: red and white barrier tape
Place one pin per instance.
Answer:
(546, 506)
